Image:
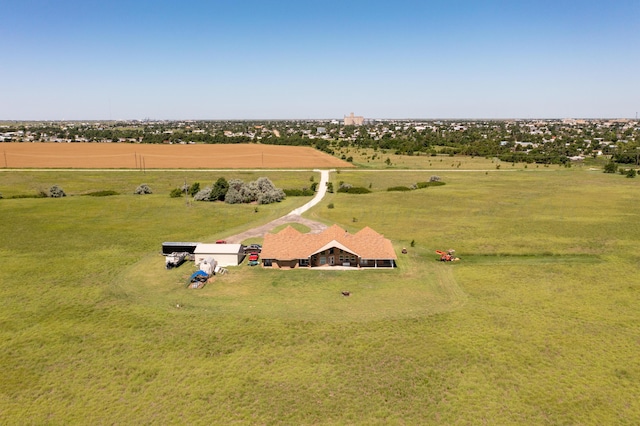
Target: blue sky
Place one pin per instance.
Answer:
(63, 59)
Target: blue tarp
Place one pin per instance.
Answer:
(197, 274)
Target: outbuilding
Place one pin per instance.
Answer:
(224, 254)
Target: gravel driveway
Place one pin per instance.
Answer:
(293, 217)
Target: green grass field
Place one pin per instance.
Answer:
(537, 324)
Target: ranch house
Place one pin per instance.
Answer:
(334, 246)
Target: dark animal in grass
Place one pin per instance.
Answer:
(346, 293)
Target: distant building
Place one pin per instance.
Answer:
(353, 120)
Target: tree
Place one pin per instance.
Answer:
(234, 195)
(203, 194)
(194, 189)
(56, 192)
(219, 190)
(610, 167)
(143, 189)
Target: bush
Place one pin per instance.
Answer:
(105, 193)
(434, 178)
(1, 197)
(354, 190)
(610, 167)
(143, 189)
(421, 185)
(194, 189)
(56, 192)
(40, 194)
(399, 188)
(176, 193)
(298, 192)
(314, 186)
(219, 190)
(631, 173)
(330, 187)
(274, 196)
(203, 194)
(330, 206)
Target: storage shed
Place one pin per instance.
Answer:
(224, 254)
(169, 247)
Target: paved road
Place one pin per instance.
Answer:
(293, 217)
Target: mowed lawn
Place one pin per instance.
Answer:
(537, 324)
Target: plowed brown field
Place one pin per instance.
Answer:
(137, 156)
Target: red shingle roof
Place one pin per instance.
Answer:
(290, 244)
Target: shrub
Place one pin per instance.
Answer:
(219, 190)
(355, 190)
(298, 192)
(143, 189)
(39, 194)
(398, 188)
(104, 193)
(274, 196)
(330, 187)
(421, 185)
(1, 197)
(233, 195)
(314, 186)
(56, 192)
(194, 189)
(610, 167)
(203, 194)
(434, 178)
(631, 173)
(330, 206)
(176, 193)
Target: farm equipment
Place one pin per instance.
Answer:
(447, 256)
(175, 259)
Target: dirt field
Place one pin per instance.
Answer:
(138, 156)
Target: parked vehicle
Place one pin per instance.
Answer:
(253, 257)
(253, 248)
(175, 259)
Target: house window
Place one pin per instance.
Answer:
(266, 262)
(304, 262)
(331, 250)
(341, 258)
(323, 260)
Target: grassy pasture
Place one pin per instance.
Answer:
(367, 158)
(537, 324)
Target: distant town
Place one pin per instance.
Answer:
(548, 141)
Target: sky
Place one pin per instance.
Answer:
(219, 59)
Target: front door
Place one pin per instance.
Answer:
(331, 260)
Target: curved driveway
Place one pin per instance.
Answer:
(294, 216)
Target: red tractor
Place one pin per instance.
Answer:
(447, 256)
